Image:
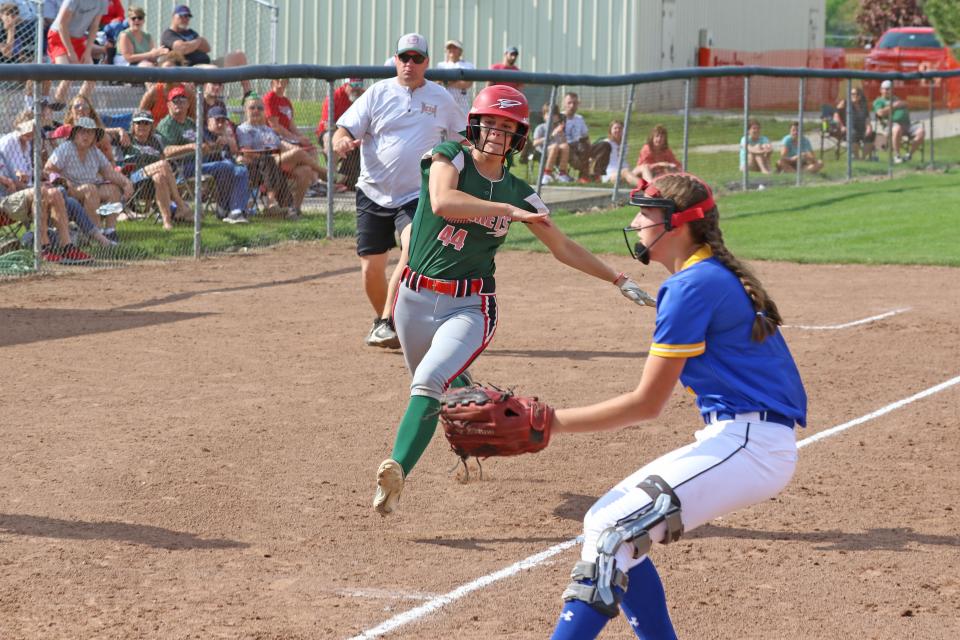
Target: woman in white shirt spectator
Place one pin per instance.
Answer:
(88, 175)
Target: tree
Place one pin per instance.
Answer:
(944, 15)
(876, 16)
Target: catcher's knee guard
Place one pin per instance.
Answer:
(636, 529)
(584, 588)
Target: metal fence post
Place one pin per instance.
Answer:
(931, 124)
(849, 120)
(686, 121)
(274, 22)
(331, 159)
(803, 90)
(197, 175)
(890, 142)
(745, 177)
(37, 143)
(622, 152)
(546, 138)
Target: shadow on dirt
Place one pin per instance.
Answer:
(23, 326)
(157, 537)
(186, 295)
(885, 539)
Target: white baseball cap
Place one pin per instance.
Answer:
(412, 42)
(886, 84)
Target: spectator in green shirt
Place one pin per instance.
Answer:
(891, 109)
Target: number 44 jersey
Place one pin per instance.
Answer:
(457, 249)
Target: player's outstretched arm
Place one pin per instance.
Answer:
(452, 204)
(659, 377)
(575, 255)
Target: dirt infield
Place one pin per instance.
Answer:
(189, 450)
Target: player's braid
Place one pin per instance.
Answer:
(686, 191)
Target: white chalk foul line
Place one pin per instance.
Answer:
(531, 562)
(459, 592)
(879, 412)
(845, 325)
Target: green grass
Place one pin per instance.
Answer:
(909, 220)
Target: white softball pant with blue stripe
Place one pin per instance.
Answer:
(731, 465)
(441, 335)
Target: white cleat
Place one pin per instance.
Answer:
(389, 486)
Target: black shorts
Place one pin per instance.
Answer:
(377, 226)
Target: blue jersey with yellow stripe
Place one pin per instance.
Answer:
(704, 315)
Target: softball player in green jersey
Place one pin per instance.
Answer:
(445, 311)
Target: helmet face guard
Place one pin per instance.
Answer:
(518, 138)
(648, 195)
(503, 102)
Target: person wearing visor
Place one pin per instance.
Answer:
(717, 332)
(446, 306)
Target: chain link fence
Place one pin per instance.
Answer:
(114, 175)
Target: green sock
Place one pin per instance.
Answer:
(415, 431)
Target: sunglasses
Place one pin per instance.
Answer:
(78, 105)
(416, 58)
(136, 18)
(180, 100)
(141, 122)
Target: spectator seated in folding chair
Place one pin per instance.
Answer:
(16, 211)
(151, 175)
(863, 132)
(605, 154)
(231, 181)
(831, 131)
(89, 176)
(894, 116)
(260, 149)
(81, 107)
(295, 161)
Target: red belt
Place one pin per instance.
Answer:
(455, 288)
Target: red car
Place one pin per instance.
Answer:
(909, 49)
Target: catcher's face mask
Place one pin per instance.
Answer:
(648, 195)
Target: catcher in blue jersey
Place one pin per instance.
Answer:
(717, 333)
(445, 311)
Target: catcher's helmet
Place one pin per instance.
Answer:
(504, 101)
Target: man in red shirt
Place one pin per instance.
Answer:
(348, 169)
(509, 63)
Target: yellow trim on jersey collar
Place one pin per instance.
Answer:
(702, 253)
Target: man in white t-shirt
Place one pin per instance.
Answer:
(459, 89)
(393, 123)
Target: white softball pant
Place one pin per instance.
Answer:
(732, 464)
(441, 335)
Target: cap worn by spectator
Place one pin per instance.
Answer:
(453, 43)
(25, 127)
(511, 50)
(886, 84)
(63, 131)
(177, 92)
(85, 123)
(412, 42)
(216, 112)
(142, 116)
(182, 10)
(355, 82)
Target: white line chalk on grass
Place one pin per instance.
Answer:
(536, 559)
(845, 325)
